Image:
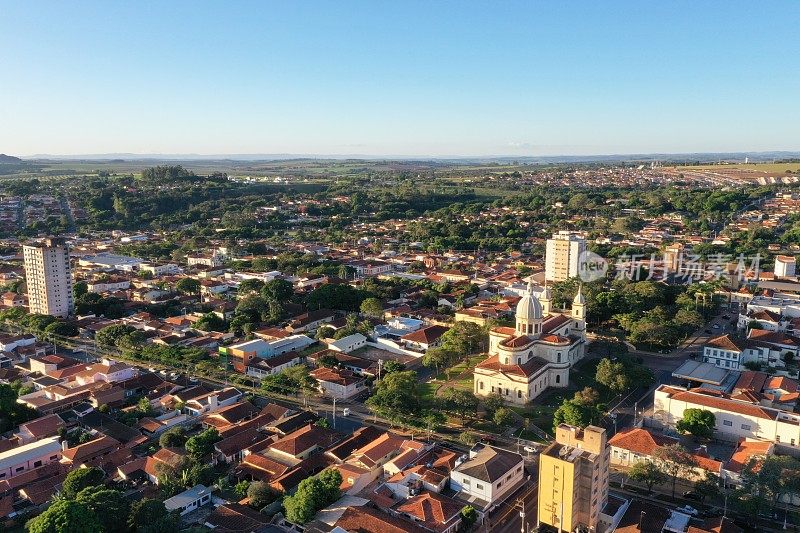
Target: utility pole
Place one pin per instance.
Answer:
(334, 412)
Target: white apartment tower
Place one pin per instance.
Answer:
(784, 266)
(48, 277)
(562, 255)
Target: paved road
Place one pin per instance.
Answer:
(507, 518)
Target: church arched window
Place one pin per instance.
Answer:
(558, 379)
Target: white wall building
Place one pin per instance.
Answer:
(561, 255)
(48, 276)
(735, 419)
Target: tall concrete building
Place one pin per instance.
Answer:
(784, 266)
(562, 254)
(573, 478)
(49, 277)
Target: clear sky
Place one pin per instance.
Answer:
(398, 77)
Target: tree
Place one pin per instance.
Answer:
(396, 396)
(675, 461)
(249, 286)
(325, 332)
(439, 357)
(211, 322)
(79, 289)
(587, 396)
(81, 478)
(150, 516)
(709, 486)
(277, 290)
(202, 444)
(111, 335)
(188, 286)
(462, 402)
(108, 504)
(371, 307)
(492, 403)
(468, 516)
(612, 375)
(574, 414)
(13, 413)
(649, 473)
(172, 438)
(241, 488)
(392, 366)
(260, 494)
(199, 474)
(335, 296)
(312, 494)
(504, 417)
(64, 329)
(698, 422)
(432, 420)
(65, 516)
(144, 407)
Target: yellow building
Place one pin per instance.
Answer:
(573, 478)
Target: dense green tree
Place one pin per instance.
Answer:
(150, 516)
(111, 335)
(698, 422)
(468, 517)
(574, 414)
(64, 329)
(396, 396)
(461, 402)
(188, 286)
(13, 413)
(312, 494)
(649, 473)
(172, 438)
(504, 417)
(277, 290)
(108, 505)
(250, 286)
(65, 516)
(260, 494)
(202, 444)
(81, 478)
(211, 322)
(372, 307)
(79, 288)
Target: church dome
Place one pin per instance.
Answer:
(529, 307)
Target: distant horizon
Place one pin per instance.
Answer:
(760, 156)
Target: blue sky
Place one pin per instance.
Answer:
(398, 78)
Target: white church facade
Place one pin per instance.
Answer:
(535, 354)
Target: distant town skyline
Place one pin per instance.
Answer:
(445, 79)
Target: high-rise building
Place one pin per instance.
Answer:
(573, 478)
(562, 254)
(49, 277)
(784, 266)
(673, 258)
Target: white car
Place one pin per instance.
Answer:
(715, 326)
(688, 509)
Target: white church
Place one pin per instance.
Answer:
(538, 353)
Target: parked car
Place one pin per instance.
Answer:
(346, 411)
(716, 326)
(726, 317)
(708, 332)
(692, 495)
(688, 509)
